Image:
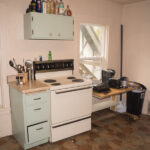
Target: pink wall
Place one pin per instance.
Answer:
(98, 12)
(136, 21)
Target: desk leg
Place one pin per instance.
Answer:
(113, 107)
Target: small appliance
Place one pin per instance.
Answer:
(115, 83)
(124, 82)
(107, 74)
(104, 86)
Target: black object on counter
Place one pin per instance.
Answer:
(114, 83)
(135, 100)
(104, 86)
(101, 88)
(107, 74)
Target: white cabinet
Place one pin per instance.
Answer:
(30, 117)
(48, 26)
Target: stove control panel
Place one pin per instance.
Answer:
(54, 65)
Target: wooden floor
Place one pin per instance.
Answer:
(110, 131)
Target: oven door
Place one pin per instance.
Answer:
(70, 104)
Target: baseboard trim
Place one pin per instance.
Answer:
(5, 122)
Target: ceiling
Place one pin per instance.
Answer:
(126, 1)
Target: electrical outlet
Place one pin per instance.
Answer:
(149, 107)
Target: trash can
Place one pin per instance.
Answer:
(135, 99)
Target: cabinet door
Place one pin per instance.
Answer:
(38, 132)
(37, 98)
(67, 105)
(64, 25)
(37, 113)
(43, 26)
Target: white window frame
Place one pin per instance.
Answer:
(1, 101)
(4, 96)
(98, 60)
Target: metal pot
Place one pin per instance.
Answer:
(124, 82)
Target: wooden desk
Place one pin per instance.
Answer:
(106, 100)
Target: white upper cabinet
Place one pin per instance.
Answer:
(48, 26)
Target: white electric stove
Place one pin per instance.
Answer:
(70, 98)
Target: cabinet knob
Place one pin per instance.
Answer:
(37, 109)
(59, 34)
(40, 128)
(50, 34)
(37, 98)
(32, 31)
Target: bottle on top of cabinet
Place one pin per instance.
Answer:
(29, 9)
(57, 7)
(33, 6)
(43, 4)
(61, 7)
(48, 7)
(52, 7)
(38, 6)
(68, 11)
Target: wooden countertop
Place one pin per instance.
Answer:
(112, 92)
(30, 87)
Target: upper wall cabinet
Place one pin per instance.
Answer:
(48, 26)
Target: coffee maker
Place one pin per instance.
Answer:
(107, 74)
(104, 86)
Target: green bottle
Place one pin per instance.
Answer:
(33, 6)
(49, 55)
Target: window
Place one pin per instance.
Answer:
(93, 50)
(0, 78)
(0, 97)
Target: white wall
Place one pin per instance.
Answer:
(99, 12)
(136, 64)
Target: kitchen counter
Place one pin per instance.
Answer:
(30, 109)
(30, 87)
(112, 92)
(107, 100)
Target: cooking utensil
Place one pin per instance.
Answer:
(15, 62)
(28, 63)
(12, 65)
(23, 65)
(20, 68)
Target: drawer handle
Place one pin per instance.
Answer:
(73, 90)
(40, 128)
(37, 109)
(50, 34)
(37, 98)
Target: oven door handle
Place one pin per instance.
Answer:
(60, 92)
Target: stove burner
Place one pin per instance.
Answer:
(50, 81)
(71, 78)
(78, 80)
(56, 84)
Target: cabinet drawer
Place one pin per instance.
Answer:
(36, 98)
(38, 132)
(37, 113)
(62, 132)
